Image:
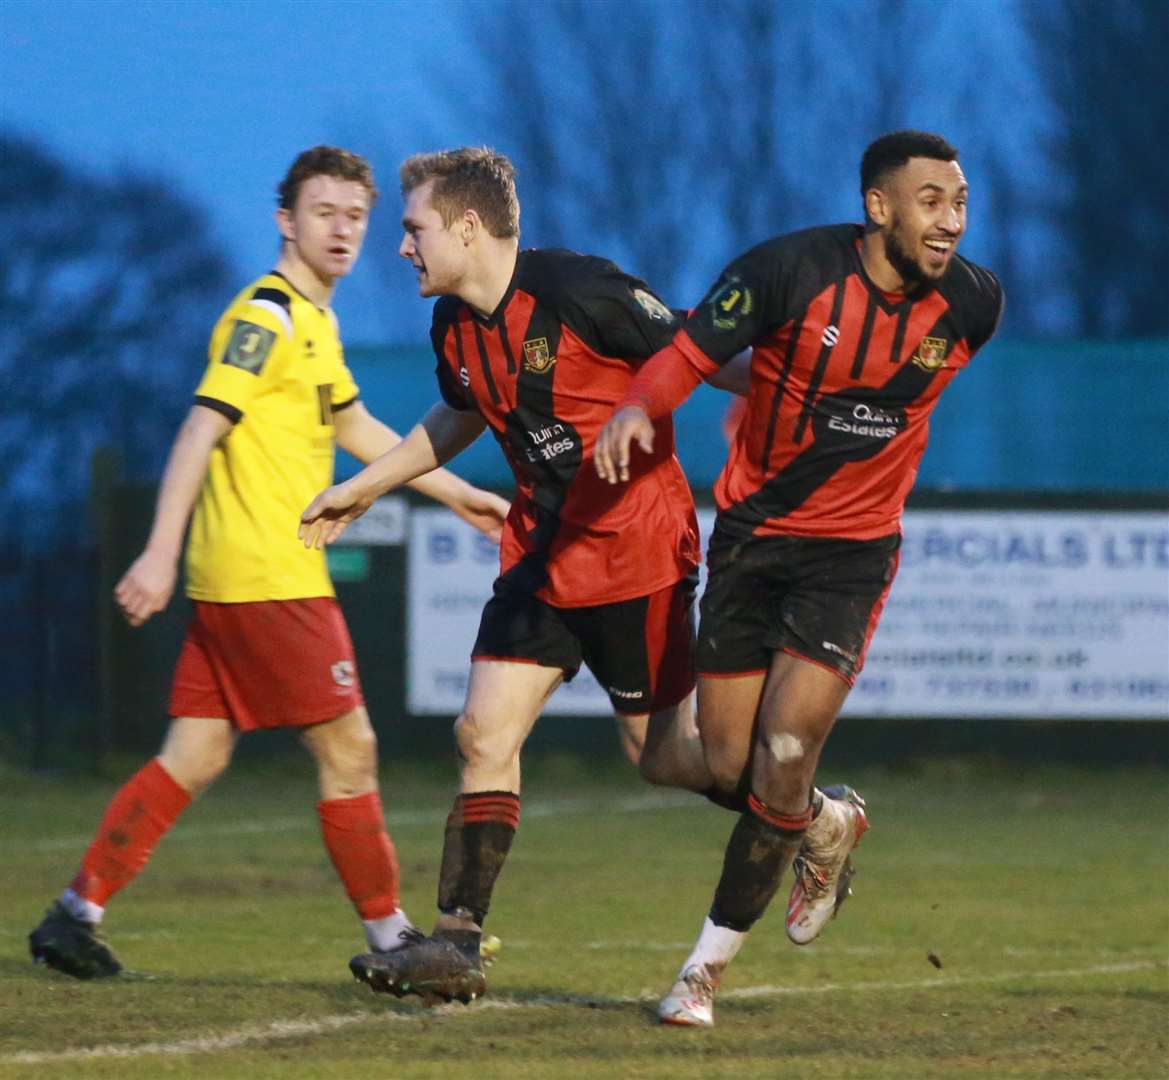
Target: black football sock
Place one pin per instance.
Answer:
(479, 832)
(761, 848)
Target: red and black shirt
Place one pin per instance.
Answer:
(545, 370)
(844, 377)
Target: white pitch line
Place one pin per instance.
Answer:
(289, 1029)
(657, 800)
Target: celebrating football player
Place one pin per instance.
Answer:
(538, 346)
(855, 331)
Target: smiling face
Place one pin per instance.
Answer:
(437, 252)
(920, 214)
(326, 227)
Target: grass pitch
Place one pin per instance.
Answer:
(1042, 893)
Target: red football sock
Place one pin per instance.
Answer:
(355, 834)
(138, 816)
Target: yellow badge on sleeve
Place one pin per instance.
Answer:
(248, 347)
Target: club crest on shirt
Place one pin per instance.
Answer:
(731, 301)
(538, 357)
(248, 347)
(652, 306)
(931, 353)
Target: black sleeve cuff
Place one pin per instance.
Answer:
(346, 404)
(230, 411)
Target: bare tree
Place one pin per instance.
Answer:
(107, 290)
(1103, 68)
(670, 137)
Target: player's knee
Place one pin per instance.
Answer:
(195, 769)
(783, 768)
(785, 749)
(481, 746)
(726, 762)
(347, 759)
(656, 766)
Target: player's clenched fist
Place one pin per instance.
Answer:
(145, 589)
(611, 455)
(327, 515)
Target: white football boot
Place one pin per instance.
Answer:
(691, 1001)
(823, 866)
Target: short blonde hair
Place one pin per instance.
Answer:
(469, 178)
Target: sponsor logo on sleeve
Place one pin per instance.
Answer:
(652, 306)
(538, 357)
(931, 353)
(248, 347)
(731, 301)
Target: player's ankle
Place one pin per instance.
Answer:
(459, 919)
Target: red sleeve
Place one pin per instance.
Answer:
(669, 377)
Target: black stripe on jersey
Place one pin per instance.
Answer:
(862, 345)
(507, 349)
(792, 342)
(275, 296)
(346, 404)
(454, 330)
(826, 345)
(485, 362)
(545, 448)
(830, 450)
(899, 336)
(325, 403)
(230, 411)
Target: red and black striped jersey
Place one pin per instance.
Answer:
(844, 377)
(545, 370)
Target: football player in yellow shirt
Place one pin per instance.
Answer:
(267, 645)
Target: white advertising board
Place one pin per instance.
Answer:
(993, 613)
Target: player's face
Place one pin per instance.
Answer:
(436, 251)
(327, 225)
(926, 217)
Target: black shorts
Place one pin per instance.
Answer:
(816, 597)
(641, 650)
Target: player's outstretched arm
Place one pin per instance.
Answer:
(367, 438)
(440, 435)
(611, 454)
(452, 431)
(146, 588)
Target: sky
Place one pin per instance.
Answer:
(221, 97)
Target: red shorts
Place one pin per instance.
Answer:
(272, 663)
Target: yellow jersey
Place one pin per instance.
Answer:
(276, 369)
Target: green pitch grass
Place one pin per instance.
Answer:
(1008, 922)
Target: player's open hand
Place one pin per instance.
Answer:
(625, 426)
(146, 588)
(327, 515)
(483, 509)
